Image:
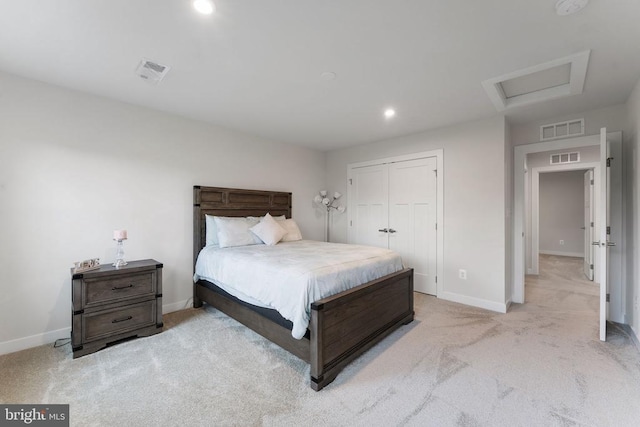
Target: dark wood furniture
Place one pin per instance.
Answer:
(342, 326)
(111, 305)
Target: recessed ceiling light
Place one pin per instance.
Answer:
(206, 7)
(568, 7)
(389, 113)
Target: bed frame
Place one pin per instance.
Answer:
(342, 326)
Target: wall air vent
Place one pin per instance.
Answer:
(152, 71)
(562, 130)
(562, 158)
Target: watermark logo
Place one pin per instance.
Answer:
(34, 415)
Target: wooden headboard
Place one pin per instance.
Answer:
(219, 201)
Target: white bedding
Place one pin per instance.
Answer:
(289, 276)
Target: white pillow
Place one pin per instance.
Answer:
(211, 230)
(277, 218)
(268, 230)
(293, 232)
(235, 231)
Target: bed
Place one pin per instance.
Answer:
(341, 327)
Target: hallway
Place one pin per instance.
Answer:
(562, 287)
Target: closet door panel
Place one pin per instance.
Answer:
(399, 198)
(412, 218)
(370, 205)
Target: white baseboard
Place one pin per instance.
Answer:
(559, 253)
(475, 302)
(177, 306)
(34, 340)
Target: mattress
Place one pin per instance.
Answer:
(289, 276)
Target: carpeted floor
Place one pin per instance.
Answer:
(541, 364)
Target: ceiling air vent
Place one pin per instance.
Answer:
(561, 158)
(562, 130)
(152, 71)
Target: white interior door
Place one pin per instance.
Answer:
(369, 205)
(588, 224)
(603, 242)
(412, 218)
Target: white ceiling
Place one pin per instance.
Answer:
(255, 65)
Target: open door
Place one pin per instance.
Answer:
(588, 225)
(603, 227)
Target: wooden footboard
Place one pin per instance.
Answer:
(342, 326)
(346, 325)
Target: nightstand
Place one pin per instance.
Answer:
(111, 305)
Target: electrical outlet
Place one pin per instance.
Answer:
(561, 242)
(462, 274)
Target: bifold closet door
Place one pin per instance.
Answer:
(371, 203)
(394, 206)
(412, 218)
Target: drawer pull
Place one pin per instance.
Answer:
(117, 288)
(123, 319)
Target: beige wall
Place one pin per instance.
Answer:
(632, 211)
(74, 167)
(474, 203)
(562, 213)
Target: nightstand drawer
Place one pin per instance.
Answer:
(114, 288)
(118, 320)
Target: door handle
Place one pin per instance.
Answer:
(391, 230)
(582, 228)
(604, 244)
(384, 230)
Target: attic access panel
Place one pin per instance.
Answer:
(534, 82)
(554, 79)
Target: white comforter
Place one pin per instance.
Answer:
(289, 276)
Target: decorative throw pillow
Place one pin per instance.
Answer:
(268, 230)
(293, 232)
(235, 231)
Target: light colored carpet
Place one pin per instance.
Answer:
(541, 364)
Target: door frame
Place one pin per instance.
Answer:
(520, 153)
(439, 155)
(535, 202)
(617, 306)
